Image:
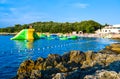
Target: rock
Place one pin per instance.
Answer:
(35, 74)
(115, 45)
(52, 71)
(88, 60)
(115, 66)
(106, 51)
(25, 69)
(115, 48)
(77, 56)
(74, 75)
(59, 76)
(54, 57)
(39, 64)
(66, 57)
(103, 59)
(61, 67)
(40, 60)
(26, 66)
(103, 74)
(53, 60)
(74, 65)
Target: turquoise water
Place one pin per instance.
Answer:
(12, 52)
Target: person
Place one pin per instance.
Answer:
(29, 27)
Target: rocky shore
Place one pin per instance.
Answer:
(104, 64)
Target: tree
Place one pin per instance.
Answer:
(88, 26)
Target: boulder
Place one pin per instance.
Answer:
(25, 69)
(103, 74)
(77, 56)
(88, 62)
(61, 67)
(53, 60)
(59, 76)
(35, 74)
(113, 48)
(39, 64)
(26, 66)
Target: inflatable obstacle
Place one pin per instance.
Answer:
(26, 34)
(73, 37)
(42, 36)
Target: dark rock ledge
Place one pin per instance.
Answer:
(104, 64)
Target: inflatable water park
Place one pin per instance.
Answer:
(30, 34)
(26, 34)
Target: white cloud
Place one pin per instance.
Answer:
(80, 5)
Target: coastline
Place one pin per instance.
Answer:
(8, 33)
(94, 35)
(74, 65)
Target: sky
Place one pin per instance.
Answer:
(28, 11)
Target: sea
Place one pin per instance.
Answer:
(14, 52)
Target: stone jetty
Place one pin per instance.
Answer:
(104, 64)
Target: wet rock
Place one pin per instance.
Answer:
(103, 74)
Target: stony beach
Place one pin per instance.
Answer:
(104, 64)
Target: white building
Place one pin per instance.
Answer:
(110, 29)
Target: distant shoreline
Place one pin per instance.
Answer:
(8, 33)
(111, 36)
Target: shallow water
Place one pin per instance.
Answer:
(12, 52)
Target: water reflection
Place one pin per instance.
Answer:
(24, 49)
(24, 44)
(29, 44)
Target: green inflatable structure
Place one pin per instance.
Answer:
(26, 34)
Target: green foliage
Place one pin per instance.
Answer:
(88, 26)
